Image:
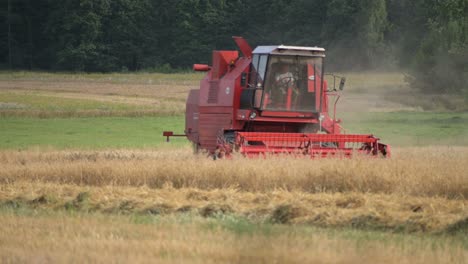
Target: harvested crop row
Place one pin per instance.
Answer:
(114, 239)
(359, 210)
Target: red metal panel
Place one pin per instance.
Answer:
(201, 67)
(222, 61)
(310, 79)
(191, 116)
(215, 109)
(204, 90)
(230, 89)
(287, 120)
(314, 137)
(227, 89)
(213, 91)
(210, 126)
(243, 46)
(286, 114)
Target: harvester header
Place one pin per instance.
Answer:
(273, 99)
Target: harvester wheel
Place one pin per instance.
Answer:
(384, 151)
(229, 138)
(196, 148)
(226, 147)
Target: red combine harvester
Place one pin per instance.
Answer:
(273, 99)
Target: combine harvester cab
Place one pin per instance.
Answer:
(273, 99)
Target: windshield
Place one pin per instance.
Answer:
(291, 84)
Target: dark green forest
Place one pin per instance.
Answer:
(428, 39)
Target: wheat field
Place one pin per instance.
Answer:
(424, 172)
(119, 239)
(171, 207)
(428, 182)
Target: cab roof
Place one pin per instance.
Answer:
(290, 50)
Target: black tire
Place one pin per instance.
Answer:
(230, 137)
(196, 148)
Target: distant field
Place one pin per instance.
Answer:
(41, 103)
(85, 175)
(46, 95)
(131, 78)
(411, 128)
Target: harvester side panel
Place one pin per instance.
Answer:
(209, 125)
(226, 90)
(221, 61)
(217, 102)
(192, 115)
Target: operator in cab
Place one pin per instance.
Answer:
(284, 81)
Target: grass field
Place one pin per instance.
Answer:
(412, 128)
(399, 129)
(89, 133)
(85, 176)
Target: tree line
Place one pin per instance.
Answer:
(427, 38)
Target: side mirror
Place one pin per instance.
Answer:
(342, 83)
